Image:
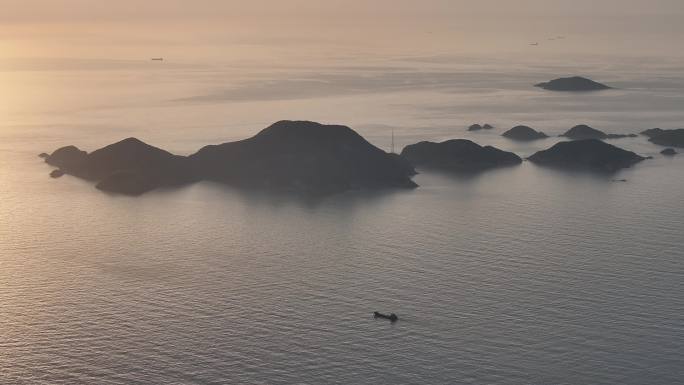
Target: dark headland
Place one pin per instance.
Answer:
(127, 167)
(289, 155)
(458, 155)
(652, 132)
(583, 131)
(670, 138)
(575, 83)
(524, 133)
(588, 154)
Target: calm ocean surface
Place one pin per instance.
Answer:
(522, 275)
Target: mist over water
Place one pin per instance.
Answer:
(522, 275)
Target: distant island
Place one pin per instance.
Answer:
(524, 133)
(583, 131)
(289, 155)
(587, 154)
(670, 138)
(478, 127)
(575, 83)
(458, 155)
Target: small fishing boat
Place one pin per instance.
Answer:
(392, 317)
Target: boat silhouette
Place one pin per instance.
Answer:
(392, 317)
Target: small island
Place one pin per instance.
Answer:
(524, 133)
(289, 155)
(587, 154)
(458, 155)
(478, 127)
(572, 84)
(669, 152)
(583, 131)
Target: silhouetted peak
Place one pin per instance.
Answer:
(130, 147)
(302, 127)
(303, 155)
(293, 131)
(522, 128)
(67, 150)
(524, 133)
(66, 157)
(582, 131)
(585, 144)
(573, 83)
(585, 128)
(460, 145)
(130, 143)
(592, 154)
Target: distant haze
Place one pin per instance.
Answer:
(521, 275)
(240, 29)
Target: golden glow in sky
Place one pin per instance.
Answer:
(86, 28)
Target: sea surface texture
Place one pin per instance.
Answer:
(522, 275)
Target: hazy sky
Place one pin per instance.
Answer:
(124, 10)
(98, 28)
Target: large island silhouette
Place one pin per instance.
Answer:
(289, 155)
